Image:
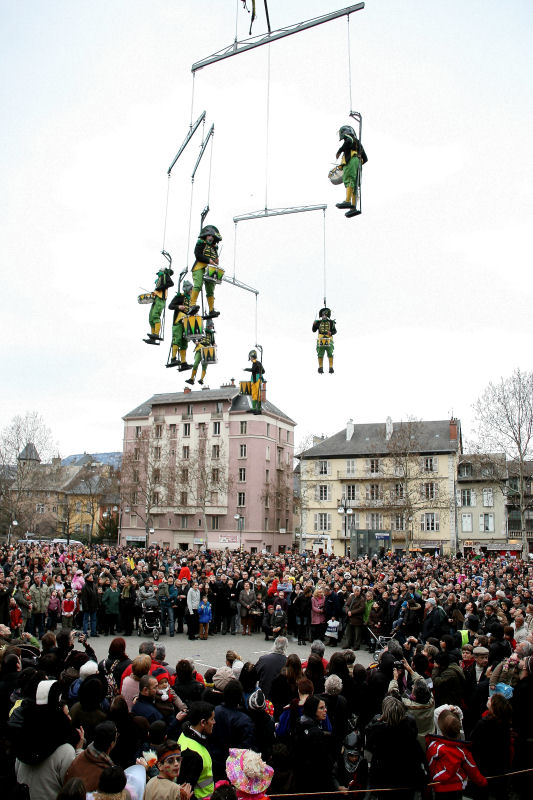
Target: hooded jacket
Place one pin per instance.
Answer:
(451, 765)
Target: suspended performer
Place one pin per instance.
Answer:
(257, 381)
(326, 331)
(204, 352)
(181, 306)
(163, 282)
(206, 254)
(353, 154)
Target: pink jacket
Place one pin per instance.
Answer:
(317, 611)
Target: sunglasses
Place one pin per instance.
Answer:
(172, 760)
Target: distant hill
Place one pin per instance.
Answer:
(112, 459)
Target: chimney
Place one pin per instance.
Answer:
(233, 381)
(187, 390)
(388, 428)
(349, 430)
(453, 429)
(263, 391)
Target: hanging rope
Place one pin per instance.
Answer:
(166, 214)
(236, 20)
(190, 222)
(267, 127)
(192, 98)
(256, 319)
(234, 250)
(324, 251)
(210, 166)
(349, 61)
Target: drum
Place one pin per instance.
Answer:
(145, 299)
(335, 175)
(325, 341)
(245, 387)
(213, 274)
(193, 327)
(208, 355)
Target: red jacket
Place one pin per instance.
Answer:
(451, 765)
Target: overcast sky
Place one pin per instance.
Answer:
(430, 286)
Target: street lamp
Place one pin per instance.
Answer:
(344, 509)
(15, 523)
(240, 521)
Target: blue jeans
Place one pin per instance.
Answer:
(167, 613)
(89, 615)
(37, 621)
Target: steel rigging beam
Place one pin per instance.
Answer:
(187, 140)
(277, 212)
(255, 41)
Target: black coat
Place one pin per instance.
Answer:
(397, 758)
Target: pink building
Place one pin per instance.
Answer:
(199, 470)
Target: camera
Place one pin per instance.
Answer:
(398, 665)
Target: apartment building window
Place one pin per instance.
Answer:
(138, 431)
(184, 521)
(374, 466)
(54, 509)
(183, 498)
(467, 497)
(242, 474)
(133, 520)
(244, 426)
(267, 453)
(185, 451)
(465, 470)
(216, 428)
(280, 456)
(157, 453)
(399, 470)
(399, 494)
(322, 522)
(214, 523)
(156, 475)
(267, 475)
(184, 475)
(136, 454)
(219, 407)
(134, 498)
(156, 498)
(268, 428)
(201, 428)
(429, 522)
(466, 523)
(351, 491)
(78, 507)
(265, 524)
(186, 428)
(323, 467)
(430, 464)
(374, 492)
(215, 452)
(488, 498)
(172, 429)
(241, 499)
(158, 431)
(398, 522)
(323, 492)
(214, 498)
(39, 508)
(215, 475)
(486, 523)
(374, 521)
(350, 466)
(242, 451)
(135, 476)
(429, 490)
(189, 408)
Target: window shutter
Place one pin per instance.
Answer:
(422, 522)
(328, 525)
(481, 523)
(473, 497)
(317, 492)
(316, 522)
(458, 497)
(437, 521)
(435, 463)
(328, 492)
(316, 467)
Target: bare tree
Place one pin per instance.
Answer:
(504, 416)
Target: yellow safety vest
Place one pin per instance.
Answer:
(205, 786)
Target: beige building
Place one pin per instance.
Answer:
(480, 500)
(381, 486)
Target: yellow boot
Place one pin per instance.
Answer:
(183, 356)
(174, 351)
(321, 364)
(194, 297)
(348, 203)
(211, 307)
(331, 370)
(157, 328)
(204, 370)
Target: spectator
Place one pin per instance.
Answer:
(450, 762)
(270, 665)
(233, 728)
(90, 763)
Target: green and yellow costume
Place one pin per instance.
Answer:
(257, 381)
(208, 340)
(326, 329)
(163, 282)
(180, 305)
(205, 252)
(353, 154)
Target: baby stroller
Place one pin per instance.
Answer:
(150, 622)
(378, 643)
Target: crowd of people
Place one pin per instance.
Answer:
(445, 708)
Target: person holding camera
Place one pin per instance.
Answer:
(418, 700)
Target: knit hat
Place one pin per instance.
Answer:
(222, 677)
(46, 694)
(89, 668)
(247, 771)
(160, 674)
(257, 701)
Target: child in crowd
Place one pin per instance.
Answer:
(450, 761)
(205, 616)
(67, 610)
(54, 609)
(165, 786)
(15, 618)
(332, 632)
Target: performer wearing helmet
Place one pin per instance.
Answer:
(326, 331)
(353, 153)
(257, 379)
(181, 306)
(163, 282)
(208, 340)
(205, 252)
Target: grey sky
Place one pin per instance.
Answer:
(430, 287)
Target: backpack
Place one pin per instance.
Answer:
(109, 674)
